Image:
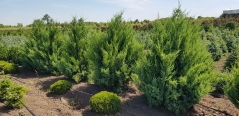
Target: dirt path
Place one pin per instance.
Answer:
(76, 101)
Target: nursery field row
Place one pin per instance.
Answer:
(172, 63)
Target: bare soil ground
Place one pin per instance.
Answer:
(76, 101)
(220, 64)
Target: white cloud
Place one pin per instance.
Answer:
(131, 4)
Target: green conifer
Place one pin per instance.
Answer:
(113, 55)
(176, 73)
(38, 48)
(72, 62)
(232, 87)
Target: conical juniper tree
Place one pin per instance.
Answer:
(38, 49)
(72, 62)
(232, 87)
(114, 54)
(233, 58)
(176, 72)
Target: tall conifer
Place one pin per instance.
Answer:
(72, 62)
(38, 49)
(176, 73)
(114, 54)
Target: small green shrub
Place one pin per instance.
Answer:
(216, 45)
(60, 86)
(230, 25)
(3, 77)
(230, 39)
(207, 27)
(14, 54)
(3, 52)
(220, 82)
(10, 68)
(4, 84)
(2, 64)
(232, 59)
(13, 94)
(11, 47)
(105, 102)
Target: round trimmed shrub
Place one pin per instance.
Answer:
(10, 68)
(60, 86)
(105, 102)
(232, 59)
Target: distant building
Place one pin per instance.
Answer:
(231, 11)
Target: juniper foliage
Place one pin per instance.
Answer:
(176, 72)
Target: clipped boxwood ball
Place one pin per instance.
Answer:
(105, 102)
(10, 68)
(60, 86)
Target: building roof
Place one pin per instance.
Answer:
(231, 11)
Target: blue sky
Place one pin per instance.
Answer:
(25, 11)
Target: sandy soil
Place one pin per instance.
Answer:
(76, 101)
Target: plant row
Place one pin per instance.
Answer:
(173, 68)
(175, 71)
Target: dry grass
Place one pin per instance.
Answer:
(14, 28)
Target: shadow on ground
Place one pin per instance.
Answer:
(133, 103)
(4, 108)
